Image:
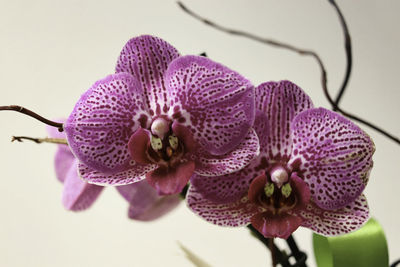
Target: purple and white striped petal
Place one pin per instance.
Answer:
(231, 214)
(335, 155)
(135, 174)
(144, 202)
(214, 102)
(147, 58)
(210, 165)
(78, 194)
(336, 222)
(280, 102)
(103, 120)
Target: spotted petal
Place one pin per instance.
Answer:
(335, 156)
(103, 120)
(78, 194)
(145, 203)
(279, 102)
(216, 103)
(134, 174)
(336, 222)
(210, 165)
(231, 214)
(147, 58)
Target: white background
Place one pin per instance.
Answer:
(52, 51)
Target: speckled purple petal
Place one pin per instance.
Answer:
(103, 120)
(231, 214)
(216, 103)
(280, 102)
(147, 58)
(145, 203)
(135, 174)
(335, 154)
(78, 194)
(210, 165)
(336, 222)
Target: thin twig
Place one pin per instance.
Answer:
(33, 115)
(301, 52)
(349, 56)
(60, 141)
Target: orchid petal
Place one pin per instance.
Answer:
(147, 58)
(63, 160)
(280, 102)
(336, 222)
(78, 194)
(210, 165)
(278, 225)
(231, 214)
(103, 120)
(168, 181)
(145, 203)
(135, 173)
(229, 187)
(138, 145)
(214, 101)
(334, 156)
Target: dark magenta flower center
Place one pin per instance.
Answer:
(278, 191)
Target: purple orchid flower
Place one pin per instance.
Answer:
(144, 202)
(163, 117)
(311, 171)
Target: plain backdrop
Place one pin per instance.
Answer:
(51, 51)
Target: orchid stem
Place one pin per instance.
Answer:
(348, 49)
(301, 51)
(277, 255)
(60, 141)
(33, 115)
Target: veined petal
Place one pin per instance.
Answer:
(78, 194)
(144, 202)
(229, 187)
(147, 58)
(335, 156)
(169, 181)
(236, 213)
(336, 222)
(134, 174)
(280, 102)
(103, 120)
(216, 103)
(211, 165)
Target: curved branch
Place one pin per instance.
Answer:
(349, 54)
(300, 51)
(33, 115)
